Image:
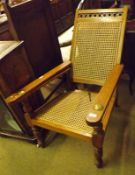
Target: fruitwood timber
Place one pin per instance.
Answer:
(36, 84)
(104, 96)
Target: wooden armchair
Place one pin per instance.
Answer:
(95, 61)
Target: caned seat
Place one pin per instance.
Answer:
(95, 62)
(69, 111)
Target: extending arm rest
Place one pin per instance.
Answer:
(104, 96)
(38, 83)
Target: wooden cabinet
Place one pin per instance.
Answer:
(4, 28)
(92, 4)
(131, 5)
(129, 44)
(129, 56)
(129, 52)
(15, 72)
(63, 14)
(32, 22)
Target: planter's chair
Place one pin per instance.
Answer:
(95, 60)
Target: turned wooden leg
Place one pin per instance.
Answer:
(38, 134)
(97, 140)
(99, 157)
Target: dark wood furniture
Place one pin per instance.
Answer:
(129, 53)
(63, 14)
(129, 44)
(15, 72)
(10, 125)
(131, 5)
(92, 4)
(4, 28)
(95, 59)
(32, 22)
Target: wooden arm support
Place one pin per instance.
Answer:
(98, 108)
(38, 83)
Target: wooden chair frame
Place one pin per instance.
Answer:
(100, 110)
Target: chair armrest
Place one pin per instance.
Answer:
(104, 96)
(38, 83)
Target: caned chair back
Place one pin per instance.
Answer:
(97, 44)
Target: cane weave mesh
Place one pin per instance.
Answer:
(96, 46)
(70, 111)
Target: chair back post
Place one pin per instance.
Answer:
(69, 84)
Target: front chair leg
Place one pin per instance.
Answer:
(97, 140)
(98, 155)
(38, 135)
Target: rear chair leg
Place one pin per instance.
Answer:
(38, 135)
(117, 99)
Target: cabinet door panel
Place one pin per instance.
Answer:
(32, 22)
